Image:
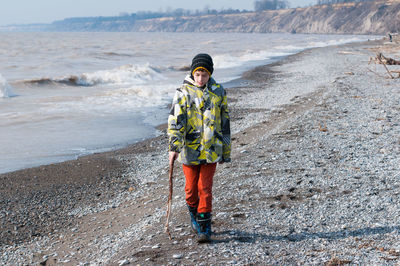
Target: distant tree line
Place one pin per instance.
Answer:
(141, 15)
(259, 5)
(180, 12)
(270, 5)
(331, 2)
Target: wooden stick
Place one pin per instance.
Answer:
(380, 60)
(169, 203)
(388, 60)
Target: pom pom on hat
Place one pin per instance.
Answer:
(202, 61)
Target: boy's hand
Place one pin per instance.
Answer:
(172, 156)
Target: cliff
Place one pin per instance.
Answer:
(378, 17)
(354, 18)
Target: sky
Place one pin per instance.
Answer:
(47, 11)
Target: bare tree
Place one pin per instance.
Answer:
(270, 5)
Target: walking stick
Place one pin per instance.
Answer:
(171, 185)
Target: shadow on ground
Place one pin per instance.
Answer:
(245, 237)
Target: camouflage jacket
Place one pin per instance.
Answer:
(198, 124)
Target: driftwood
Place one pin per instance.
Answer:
(383, 60)
(169, 203)
(387, 70)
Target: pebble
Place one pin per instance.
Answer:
(123, 262)
(316, 195)
(177, 256)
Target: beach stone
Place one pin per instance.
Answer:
(177, 256)
(305, 194)
(123, 262)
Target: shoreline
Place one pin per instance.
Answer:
(269, 145)
(54, 173)
(84, 172)
(53, 153)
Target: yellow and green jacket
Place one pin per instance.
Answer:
(198, 124)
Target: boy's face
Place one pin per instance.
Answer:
(201, 78)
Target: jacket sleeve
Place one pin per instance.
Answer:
(226, 130)
(177, 122)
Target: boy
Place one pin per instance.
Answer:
(199, 136)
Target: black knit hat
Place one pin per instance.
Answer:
(202, 61)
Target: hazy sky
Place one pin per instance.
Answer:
(45, 11)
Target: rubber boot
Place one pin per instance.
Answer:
(204, 221)
(193, 219)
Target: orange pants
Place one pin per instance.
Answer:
(198, 187)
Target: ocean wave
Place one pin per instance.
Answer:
(335, 42)
(230, 61)
(6, 90)
(118, 54)
(288, 48)
(126, 74)
(180, 68)
(110, 101)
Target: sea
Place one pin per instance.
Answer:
(64, 95)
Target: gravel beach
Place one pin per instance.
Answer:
(314, 180)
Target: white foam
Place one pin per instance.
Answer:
(288, 48)
(126, 74)
(335, 42)
(128, 99)
(111, 101)
(5, 89)
(228, 61)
